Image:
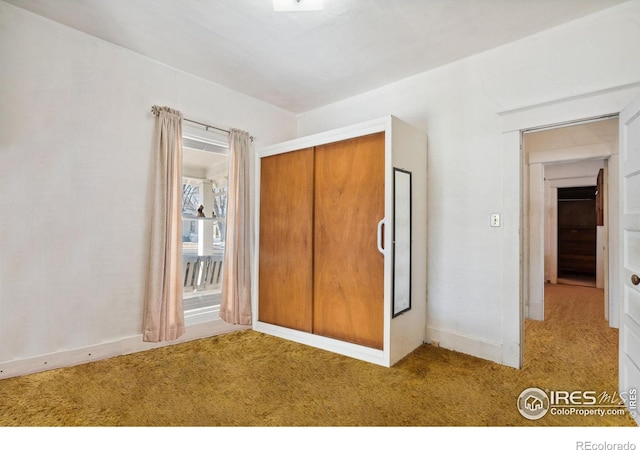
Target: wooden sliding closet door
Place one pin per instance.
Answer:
(286, 240)
(348, 300)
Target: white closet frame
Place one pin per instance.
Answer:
(405, 148)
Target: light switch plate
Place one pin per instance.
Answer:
(495, 220)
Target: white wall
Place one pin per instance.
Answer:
(474, 165)
(75, 149)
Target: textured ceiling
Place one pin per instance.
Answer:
(303, 60)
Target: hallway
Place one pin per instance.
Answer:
(573, 335)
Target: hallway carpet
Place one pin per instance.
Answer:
(251, 379)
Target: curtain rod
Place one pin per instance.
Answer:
(155, 110)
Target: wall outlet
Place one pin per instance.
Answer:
(435, 343)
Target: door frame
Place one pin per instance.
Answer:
(558, 111)
(551, 245)
(629, 375)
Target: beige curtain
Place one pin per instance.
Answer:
(235, 305)
(164, 315)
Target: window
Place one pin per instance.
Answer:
(205, 170)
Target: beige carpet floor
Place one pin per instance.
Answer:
(251, 379)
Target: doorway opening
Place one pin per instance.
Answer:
(568, 218)
(570, 231)
(577, 235)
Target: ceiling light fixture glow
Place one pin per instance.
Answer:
(297, 5)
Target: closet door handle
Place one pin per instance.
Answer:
(380, 235)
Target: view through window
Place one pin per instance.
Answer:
(204, 212)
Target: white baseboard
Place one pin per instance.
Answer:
(469, 345)
(124, 346)
(360, 352)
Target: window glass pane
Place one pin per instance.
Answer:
(190, 198)
(204, 207)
